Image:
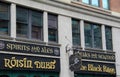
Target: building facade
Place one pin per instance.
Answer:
(40, 38)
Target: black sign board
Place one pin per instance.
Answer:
(100, 56)
(94, 62)
(28, 48)
(97, 67)
(20, 62)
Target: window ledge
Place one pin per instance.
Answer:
(90, 7)
(54, 44)
(31, 41)
(6, 37)
(77, 47)
(100, 50)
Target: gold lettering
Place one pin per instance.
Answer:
(18, 47)
(83, 68)
(86, 55)
(108, 69)
(35, 49)
(7, 63)
(94, 56)
(15, 63)
(91, 67)
(45, 65)
(46, 50)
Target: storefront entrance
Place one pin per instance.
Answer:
(28, 74)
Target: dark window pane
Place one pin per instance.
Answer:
(52, 28)
(93, 35)
(22, 22)
(95, 2)
(97, 37)
(4, 19)
(37, 18)
(52, 21)
(52, 35)
(76, 32)
(22, 30)
(36, 32)
(105, 4)
(37, 23)
(4, 27)
(22, 15)
(88, 35)
(108, 34)
(4, 11)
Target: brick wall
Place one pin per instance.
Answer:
(115, 5)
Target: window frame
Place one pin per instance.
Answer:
(76, 33)
(108, 39)
(90, 3)
(92, 45)
(108, 5)
(30, 24)
(53, 27)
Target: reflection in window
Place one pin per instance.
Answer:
(88, 35)
(29, 23)
(4, 19)
(52, 28)
(22, 22)
(85, 1)
(105, 4)
(108, 34)
(37, 24)
(93, 35)
(97, 36)
(95, 2)
(75, 32)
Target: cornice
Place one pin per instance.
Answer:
(96, 12)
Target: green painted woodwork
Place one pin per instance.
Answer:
(27, 74)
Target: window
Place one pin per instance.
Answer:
(52, 28)
(37, 23)
(22, 22)
(85, 1)
(108, 34)
(105, 4)
(75, 32)
(4, 19)
(93, 35)
(91, 2)
(95, 2)
(29, 23)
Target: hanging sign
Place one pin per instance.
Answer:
(75, 62)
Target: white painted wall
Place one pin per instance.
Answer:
(65, 38)
(116, 48)
(67, 1)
